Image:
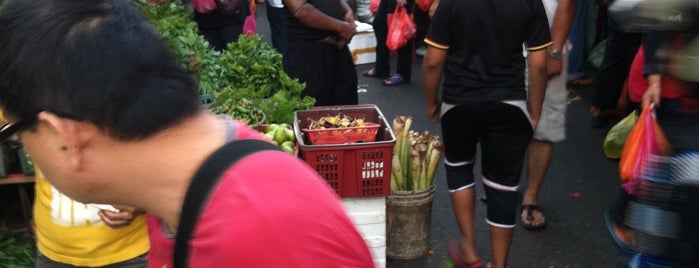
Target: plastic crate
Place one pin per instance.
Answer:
(366, 133)
(353, 169)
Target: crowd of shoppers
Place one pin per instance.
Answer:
(479, 94)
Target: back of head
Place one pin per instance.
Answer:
(91, 60)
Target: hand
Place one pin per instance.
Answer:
(652, 95)
(349, 17)
(348, 30)
(120, 219)
(535, 123)
(553, 67)
(433, 111)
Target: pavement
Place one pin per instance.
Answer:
(580, 185)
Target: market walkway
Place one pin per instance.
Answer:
(580, 184)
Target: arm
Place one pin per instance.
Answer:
(537, 83)
(560, 28)
(432, 66)
(312, 17)
(652, 68)
(433, 7)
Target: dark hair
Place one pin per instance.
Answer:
(91, 60)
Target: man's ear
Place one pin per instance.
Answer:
(69, 135)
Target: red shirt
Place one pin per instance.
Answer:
(269, 210)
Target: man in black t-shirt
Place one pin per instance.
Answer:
(477, 46)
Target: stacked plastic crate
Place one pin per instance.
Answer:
(359, 171)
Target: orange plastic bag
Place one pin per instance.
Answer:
(401, 29)
(645, 138)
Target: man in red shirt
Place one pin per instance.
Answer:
(102, 106)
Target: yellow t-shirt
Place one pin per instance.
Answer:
(71, 232)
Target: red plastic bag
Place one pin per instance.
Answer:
(401, 29)
(424, 5)
(204, 6)
(250, 25)
(645, 139)
(374, 6)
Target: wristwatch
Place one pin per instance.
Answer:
(555, 53)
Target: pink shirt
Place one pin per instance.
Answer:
(269, 210)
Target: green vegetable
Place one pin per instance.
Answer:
(248, 69)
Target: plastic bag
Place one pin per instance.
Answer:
(424, 5)
(374, 6)
(645, 138)
(400, 29)
(596, 55)
(204, 6)
(614, 141)
(250, 25)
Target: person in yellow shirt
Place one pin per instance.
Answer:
(73, 234)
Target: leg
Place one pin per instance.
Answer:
(382, 68)
(551, 129)
(276, 17)
(538, 158)
(459, 131)
(504, 143)
(344, 86)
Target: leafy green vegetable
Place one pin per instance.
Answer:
(15, 250)
(248, 69)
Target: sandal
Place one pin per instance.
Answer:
(527, 211)
(394, 80)
(458, 259)
(372, 73)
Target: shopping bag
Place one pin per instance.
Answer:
(250, 25)
(645, 139)
(424, 5)
(614, 141)
(400, 29)
(374, 6)
(204, 6)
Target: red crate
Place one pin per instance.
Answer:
(366, 133)
(353, 169)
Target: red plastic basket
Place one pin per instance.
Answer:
(353, 169)
(366, 133)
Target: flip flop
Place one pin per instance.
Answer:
(372, 73)
(394, 80)
(528, 209)
(458, 259)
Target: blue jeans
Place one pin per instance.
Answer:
(582, 37)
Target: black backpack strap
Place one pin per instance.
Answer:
(198, 192)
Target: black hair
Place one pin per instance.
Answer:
(98, 61)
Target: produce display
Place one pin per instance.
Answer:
(336, 121)
(282, 135)
(416, 157)
(247, 69)
(339, 129)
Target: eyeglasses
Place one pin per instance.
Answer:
(9, 129)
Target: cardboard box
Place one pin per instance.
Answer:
(363, 45)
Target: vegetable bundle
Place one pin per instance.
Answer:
(415, 157)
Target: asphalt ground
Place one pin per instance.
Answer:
(581, 183)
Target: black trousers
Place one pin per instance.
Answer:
(619, 53)
(383, 55)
